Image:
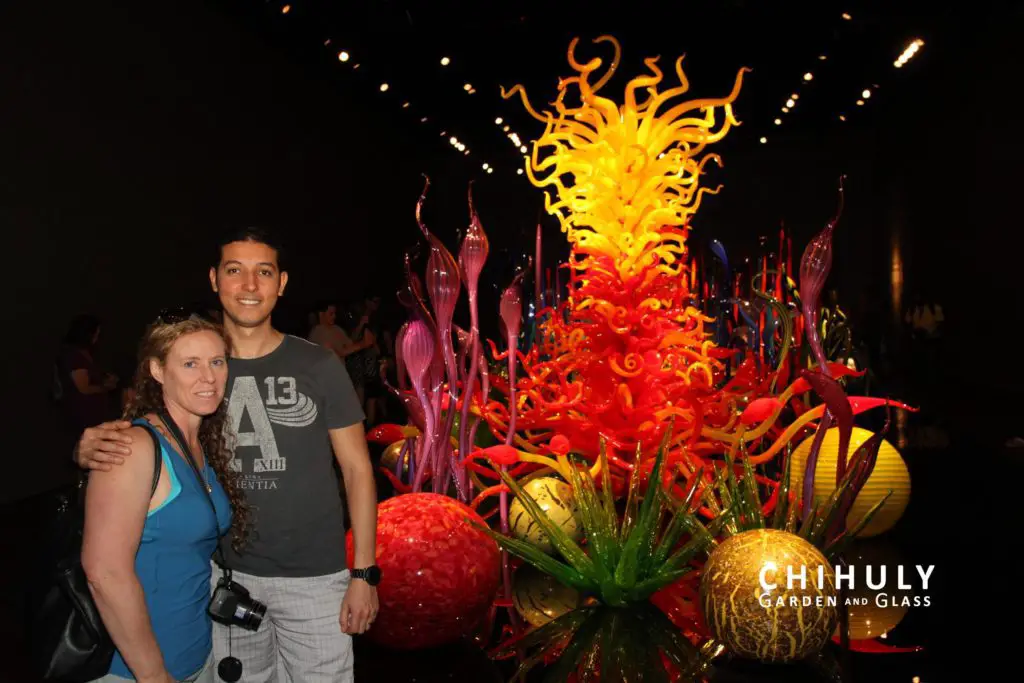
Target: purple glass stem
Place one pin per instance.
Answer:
(428, 438)
(465, 444)
(448, 456)
(399, 462)
(812, 464)
(411, 457)
(485, 391)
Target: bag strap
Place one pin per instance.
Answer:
(179, 438)
(157, 455)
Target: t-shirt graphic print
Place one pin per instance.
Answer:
(280, 408)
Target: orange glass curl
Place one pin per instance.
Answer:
(627, 351)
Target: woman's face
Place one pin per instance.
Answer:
(195, 373)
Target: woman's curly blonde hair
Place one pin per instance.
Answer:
(214, 435)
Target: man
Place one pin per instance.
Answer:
(328, 334)
(290, 403)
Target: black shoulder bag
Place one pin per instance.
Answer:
(67, 639)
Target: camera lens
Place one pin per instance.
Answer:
(252, 615)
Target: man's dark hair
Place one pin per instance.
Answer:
(81, 331)
(323, 304)
(259, 235)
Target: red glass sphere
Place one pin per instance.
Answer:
(439, 573)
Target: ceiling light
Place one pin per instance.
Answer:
(343, 56)
(467, 87)
(383, 87)
(808, 76)
(847, 16)
(785, 110)
(790, 103)
(466, 152)
(764, 140)
(490, 170)
(423, 120)
(860, 103)
(795, 96)
(472, 91)
(519, 171)
(523, 149)
(822, 57)
(866, 94)
(506, 128)
(405, 105)
(908, 52)
(498, 121)
(445, 61)
(286, 9)
(485, 167)
(462, 146)
(443, 133)
(355, 66)
(778, 122)
(842, 118)
(454, 140)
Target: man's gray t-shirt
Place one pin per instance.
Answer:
(280, 409)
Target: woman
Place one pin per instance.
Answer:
(83, 387)
(147, 558)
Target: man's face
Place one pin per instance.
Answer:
(248, 282)
(329, 316)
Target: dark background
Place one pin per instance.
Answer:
(130, 133)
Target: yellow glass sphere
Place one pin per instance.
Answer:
(874, 612)
(556, 499)
(890, 472)
(539, 597)
(780, 624)
(389, 458)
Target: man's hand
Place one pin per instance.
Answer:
(358, 608)
(103, 446)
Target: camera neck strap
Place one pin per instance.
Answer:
(179, 438)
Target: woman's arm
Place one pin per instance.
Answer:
(115, 512)
(81, 379)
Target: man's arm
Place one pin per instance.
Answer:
(360, 606)
(345, 417)
(104, 445)
(353, 456)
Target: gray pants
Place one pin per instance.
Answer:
(300, 639)
(204, 675)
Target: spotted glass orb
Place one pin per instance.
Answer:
(555, 498)
(780, 624)
(539, 597)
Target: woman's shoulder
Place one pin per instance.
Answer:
(141, 433)
(142, 440)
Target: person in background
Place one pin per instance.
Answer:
(364, 365)
(146, 552)
(83, 389)
(328, 334)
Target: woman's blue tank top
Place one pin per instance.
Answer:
(173, 566)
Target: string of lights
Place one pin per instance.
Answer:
(908, 53)
(346, 56)
(792, 101)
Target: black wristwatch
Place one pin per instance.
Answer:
(370, 575)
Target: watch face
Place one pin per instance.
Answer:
(373, 575)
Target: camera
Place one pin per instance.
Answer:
(231, 605)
